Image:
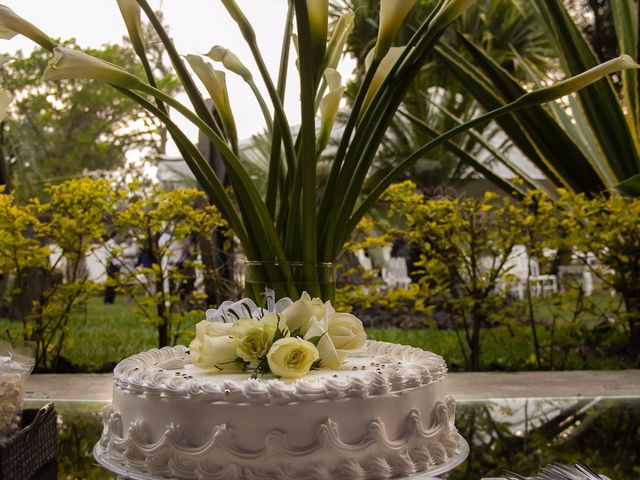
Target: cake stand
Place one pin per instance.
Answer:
(125, 473)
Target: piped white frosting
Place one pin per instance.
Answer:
(385, 368)
(382, 415)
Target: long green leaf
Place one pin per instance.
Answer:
(524, 102)
(625, 18)
(630, 187)
(467, 158)
(529, 183)
(558, 154)
(308, 84)
(181, 70)
(600, 101)
(198, 165)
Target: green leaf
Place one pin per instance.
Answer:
(630, 187)
(600, 101)
(625, 19)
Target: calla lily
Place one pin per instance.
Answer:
(338, 39)
(230, 61)
(318, 12)
(68, 63)
(130, 11)
(5, 100)
(329, 106)
(385, 66)
(573, 84)
(215, 83)
(392, 14)
(12, 24)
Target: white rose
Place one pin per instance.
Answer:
(299, 313)
(214, 353)
(329, 356)
(346, 332)
(212, 329)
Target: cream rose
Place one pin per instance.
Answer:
(346, 332)
(214, 353)
(292, 357)
(212, 329)
(329, 356)
(253, 338)
(299, 313)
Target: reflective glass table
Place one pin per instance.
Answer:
(518, 435)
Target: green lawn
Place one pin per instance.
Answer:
(101, 335)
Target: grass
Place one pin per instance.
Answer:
(101, 335)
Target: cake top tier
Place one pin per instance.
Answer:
(383, 369)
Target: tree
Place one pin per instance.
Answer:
(436, 97)
(57, 130)
(44, 292)
(165, 225)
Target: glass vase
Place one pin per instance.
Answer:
(289, 279)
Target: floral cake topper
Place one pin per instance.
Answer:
(287, 339)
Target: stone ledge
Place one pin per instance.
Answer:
(462, 386)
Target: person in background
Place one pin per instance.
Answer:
(113, 268)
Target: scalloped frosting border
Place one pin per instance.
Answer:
(146, 374)
(374, 455)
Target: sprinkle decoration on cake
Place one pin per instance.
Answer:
(374, 411)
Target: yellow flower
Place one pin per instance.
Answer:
(299, 313)
(253, 338)
(68, 63)
(292, 357)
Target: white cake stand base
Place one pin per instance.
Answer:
(125, 473)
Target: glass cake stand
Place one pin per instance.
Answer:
(124, 473)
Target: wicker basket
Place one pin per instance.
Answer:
(30, 453)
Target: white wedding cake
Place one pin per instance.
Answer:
(381, 413)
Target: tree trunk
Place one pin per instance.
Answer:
(476, 322)
(632, 306)
(4, 171)
(163, 328)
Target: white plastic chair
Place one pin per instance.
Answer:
(396, 274)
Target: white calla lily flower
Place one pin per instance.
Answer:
(392, 14)
(68, 63)
(12, 24)
(385, 66)
(130, 11)
(318, 12)
(230, 61)
(329, 106)
(216, 84)
(338, 39)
